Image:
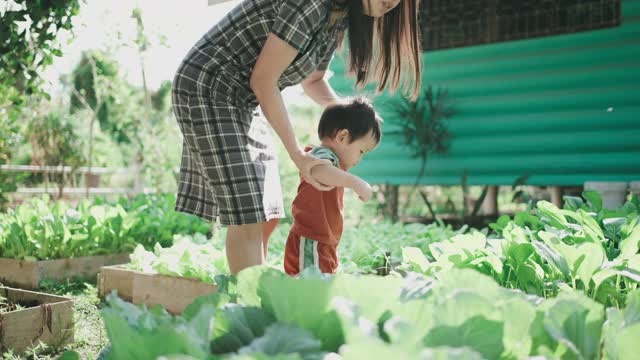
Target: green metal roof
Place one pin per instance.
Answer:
(564, 109)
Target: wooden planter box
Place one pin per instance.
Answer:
(27, 274)
(172, 292)
(48, 319)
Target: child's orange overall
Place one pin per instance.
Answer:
(317, 225)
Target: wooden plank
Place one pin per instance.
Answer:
(19, 273)
(174, 293)
(76, 191)
(50, 321)
(28, 274)
(65, 169)
(14, 294)
(116, 278)
(83, 267)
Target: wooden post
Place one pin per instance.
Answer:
(92, 179)
(556, 195)
(137, 187)
(490, 203)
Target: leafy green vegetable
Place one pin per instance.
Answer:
(589, 248)
(622, 329)
(282, 338)
(138, 333)
(464, 314)
(41, 229)
(190, 256)
(44, 230)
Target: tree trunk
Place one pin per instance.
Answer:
(391, 202)
(93, 119)
(556, 195)
(490, 204)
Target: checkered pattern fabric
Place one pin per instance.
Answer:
(229, 165)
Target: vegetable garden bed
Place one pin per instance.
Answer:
(28, 274)
(43, 239)
(460, 315)
(582, 246)
(27, 318)
(172, 292)
(172, 277)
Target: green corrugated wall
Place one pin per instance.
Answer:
(563, 109)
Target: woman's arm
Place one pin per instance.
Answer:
(275, 57)
(318, 89)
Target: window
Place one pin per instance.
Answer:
(455, 23)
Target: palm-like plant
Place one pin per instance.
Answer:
(423, 128)
(423, 124)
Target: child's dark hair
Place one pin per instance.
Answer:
(356, 115)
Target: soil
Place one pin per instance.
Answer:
(8, 306)
(456, 221)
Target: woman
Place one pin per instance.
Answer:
(229, 166)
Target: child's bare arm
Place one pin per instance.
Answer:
(333, 176)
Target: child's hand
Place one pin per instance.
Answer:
(363, 189)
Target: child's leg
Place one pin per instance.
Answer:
(308, 254)
(301, 253)
(291, 254)
(327, 258)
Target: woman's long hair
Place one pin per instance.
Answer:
(394, 59)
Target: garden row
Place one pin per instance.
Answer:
(552, 283)
(264, 314)
(540, 251)
(186, 267)
(571, 264)
(581, 246)
(44, 240)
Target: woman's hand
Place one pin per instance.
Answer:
(305, 162)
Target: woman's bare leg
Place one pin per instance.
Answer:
(244, 246)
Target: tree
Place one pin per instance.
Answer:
(423, 127)
(154, 122)
(28, 43)
(9, 137)
(54, 142)
(97, 87)
(423, 124)
(95, 81)
(28, 33)
(161, 99)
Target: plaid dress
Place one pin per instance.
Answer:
(229, 164)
